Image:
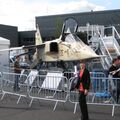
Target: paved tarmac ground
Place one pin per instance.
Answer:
(43, 110)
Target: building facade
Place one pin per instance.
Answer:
(11, 33)
(51, 26)
(48, 24)
(26, 38)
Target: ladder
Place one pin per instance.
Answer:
(108, 46)
(104, 41)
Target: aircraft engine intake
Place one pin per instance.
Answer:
(54, 47)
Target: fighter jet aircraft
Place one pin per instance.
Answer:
(68, 47)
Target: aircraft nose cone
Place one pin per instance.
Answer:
(86, 54)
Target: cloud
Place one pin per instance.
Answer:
(22, 13)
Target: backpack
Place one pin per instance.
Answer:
(73, 83)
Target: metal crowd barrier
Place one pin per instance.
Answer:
(97, 74)
(102, 92)
(7, 85)
(0, 83)
(54, 86)
(75, 94)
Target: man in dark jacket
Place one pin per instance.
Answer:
(83, 86)
(114, 71)
(17, 71)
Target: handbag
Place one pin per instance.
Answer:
(73, 83)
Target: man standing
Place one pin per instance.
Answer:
(114, 71)
(17, 75)
(83, 86)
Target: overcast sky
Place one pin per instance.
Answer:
(21, 13)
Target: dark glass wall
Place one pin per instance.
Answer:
(11, 33)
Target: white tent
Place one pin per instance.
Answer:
(4, 55)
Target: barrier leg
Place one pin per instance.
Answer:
(55, 105)
(67, 97)
(75, 107)
(19, 99)
(93, 98)
(31, 102)
(3, 96)
(54, 93)
(113, 110)
(39, 91)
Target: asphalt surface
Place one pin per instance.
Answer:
(43, 110)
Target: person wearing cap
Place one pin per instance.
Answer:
(118, 81)
(113, 68)
(17, 70)
(83, 86)
(118, 61)
(114, 71)
(118, 57)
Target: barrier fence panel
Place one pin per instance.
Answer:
(99, 89)
(68, 75)
(0, 83)
(52, 87)
(97, 74)
(100, 93)
(8, 81)
(105, 93)
(97, 84)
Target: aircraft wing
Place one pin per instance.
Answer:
(10, 49)
(23, 47)
(34, 46)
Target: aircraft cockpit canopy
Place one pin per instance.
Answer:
(72, 38)
(70, 26)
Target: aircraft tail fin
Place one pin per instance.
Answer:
(38, 38)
